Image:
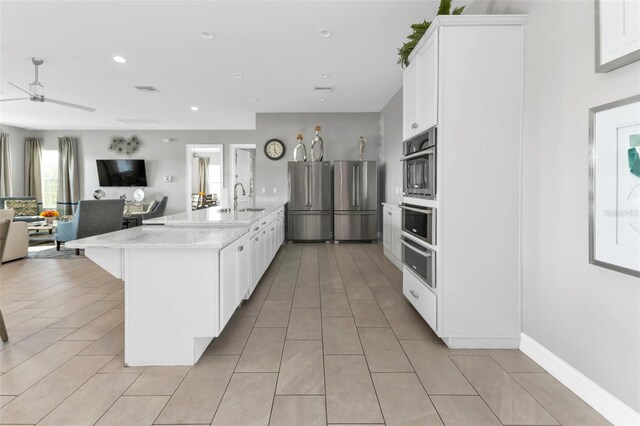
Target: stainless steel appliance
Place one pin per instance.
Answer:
(355, 195)
(420, 259)
(419, 160)
(310, 212)
(420, 222)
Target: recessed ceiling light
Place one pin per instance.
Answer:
(206, 34)
(322, 99)
(119, 59)
(324, 33)
(324, 75)
(194, 108)
(237, 76)
(255, 99)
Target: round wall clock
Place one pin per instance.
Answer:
(274, 149)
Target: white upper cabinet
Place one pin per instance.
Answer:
(420, 89)
(428, 85)
(410, 100)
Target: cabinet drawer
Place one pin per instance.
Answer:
(424, 300)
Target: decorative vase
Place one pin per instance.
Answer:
(317, 145)
(361, 145)
(300, 151)
(48, 220)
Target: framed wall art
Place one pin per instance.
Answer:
(617, 33)
(614, 196)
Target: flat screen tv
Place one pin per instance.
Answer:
(122, 173)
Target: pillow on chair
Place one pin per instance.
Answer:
(153, 206)
(23, 207)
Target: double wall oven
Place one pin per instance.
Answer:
(419, 222)
(419, 226)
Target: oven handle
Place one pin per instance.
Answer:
(413, 209)
(423, 153)
(404, 242)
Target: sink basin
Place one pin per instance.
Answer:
(250, 209)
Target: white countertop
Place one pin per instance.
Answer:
(214, 217)
(162, 237)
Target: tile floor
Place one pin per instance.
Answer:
(327, 338)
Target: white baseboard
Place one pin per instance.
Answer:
(602, 401)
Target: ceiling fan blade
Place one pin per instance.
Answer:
(68, 104)
(14, 99)
(21, 88)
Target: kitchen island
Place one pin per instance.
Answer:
(183, 281)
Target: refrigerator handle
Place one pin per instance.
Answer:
(308, 187)
(358, 195)
(353, 186)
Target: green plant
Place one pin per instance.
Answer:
(419, 29)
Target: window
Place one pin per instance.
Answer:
(49, 178)
(214, 184)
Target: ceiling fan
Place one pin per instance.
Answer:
(36, 92)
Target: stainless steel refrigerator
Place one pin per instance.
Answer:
(310, 209)
(355, 192)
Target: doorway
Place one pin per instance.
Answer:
(205, 175)
(243, 168)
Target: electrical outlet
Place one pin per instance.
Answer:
(264, 190)
(275, 190)
(168, 178)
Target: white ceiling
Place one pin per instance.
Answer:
(274, 44)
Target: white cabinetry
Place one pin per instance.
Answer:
(234, 277)
(466, 77)
(420, 90)
(391, 232)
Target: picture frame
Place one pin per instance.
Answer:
(614, 189)
(617, 33)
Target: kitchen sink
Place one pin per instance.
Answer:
(250, 209)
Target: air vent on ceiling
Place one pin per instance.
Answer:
(147, 88)
(138, 120)
(322, 90)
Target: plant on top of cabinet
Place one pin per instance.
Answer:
(420, 29)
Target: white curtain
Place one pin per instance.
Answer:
(33, 168)
(5, 166)
(68, 176)
(203, 167)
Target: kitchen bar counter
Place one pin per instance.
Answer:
(162, 237)
(184, 280)
(215, 216)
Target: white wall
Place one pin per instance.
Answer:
(340, 132)
(391, 131)
(162, 159)
(586, 315)
(16, 145)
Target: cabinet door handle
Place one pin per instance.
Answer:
(414, 126)
(389, 213)
(413, 293)
(264, 232)
(240, 248)
(255, 229)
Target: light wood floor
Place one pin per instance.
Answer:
(327, 337)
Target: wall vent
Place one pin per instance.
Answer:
(322, 90)
(138, 120)
(146, 88)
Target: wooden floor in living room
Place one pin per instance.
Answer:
(327, 337)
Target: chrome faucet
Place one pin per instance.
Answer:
(235, 194)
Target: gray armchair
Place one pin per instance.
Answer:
(157, 212)
(92, 217)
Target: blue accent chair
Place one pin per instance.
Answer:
(92, 217)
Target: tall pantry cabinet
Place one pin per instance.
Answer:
(466, 77)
